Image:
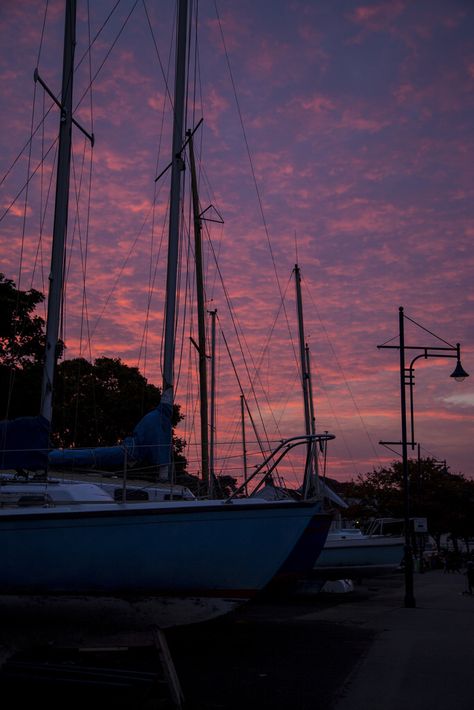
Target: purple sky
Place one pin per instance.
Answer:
(347, 146)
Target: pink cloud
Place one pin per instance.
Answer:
(368, 188)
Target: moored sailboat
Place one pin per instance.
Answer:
(207, 555)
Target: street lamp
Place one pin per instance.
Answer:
(406, 379)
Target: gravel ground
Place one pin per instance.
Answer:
(295, 652)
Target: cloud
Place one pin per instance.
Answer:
(464, 400)
(351, 155)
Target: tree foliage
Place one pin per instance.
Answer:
(94, 404)
(22, 338)
(444, 498)
(99, 403)
(22, 346)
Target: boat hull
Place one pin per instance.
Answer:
(303, 556)
(360, 556)
(191, 549)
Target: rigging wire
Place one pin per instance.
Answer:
(32, 174)
(157, 190)
(164, 74)
(84, 250)
(266, 347)
(84, 308)
(43, 208)
(239, 337)
(97, 34)
(242, 392)
(252, 169)
(124, 24)
(86, 52)
(349, 389)
(119, 275)
(185, 229)
(11, 378)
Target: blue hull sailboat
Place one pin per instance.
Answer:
(183, 553)
(192, 553)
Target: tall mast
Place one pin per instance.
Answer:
(212, 443)
(308, 477)
(313, 418)
(303, 364)
(56, 276)
(244, 445)
(177, 167)
(201, 315)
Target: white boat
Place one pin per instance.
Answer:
(195, 558)
(351, 553)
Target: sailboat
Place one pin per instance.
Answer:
(195, 558)
(347, 551)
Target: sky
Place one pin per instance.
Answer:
(335, 135)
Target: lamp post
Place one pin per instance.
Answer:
(406, 379)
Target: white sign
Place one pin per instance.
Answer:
(420, 525)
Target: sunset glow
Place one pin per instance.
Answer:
(336, 135)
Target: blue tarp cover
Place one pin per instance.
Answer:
(150, 444)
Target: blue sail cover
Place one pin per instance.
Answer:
(150, 444)
(24, 443)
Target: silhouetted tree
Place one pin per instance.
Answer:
(444, 498)
(99, 403)
(22, 345)
(94, 404)
(22, 338)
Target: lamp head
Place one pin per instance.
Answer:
(459, 372)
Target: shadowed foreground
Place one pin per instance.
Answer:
(361, 650)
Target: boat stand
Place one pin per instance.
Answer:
(120, 676)
(169, 669)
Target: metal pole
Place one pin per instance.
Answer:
(177, 167)
(124, 482)
(201, 320)
(313, 419)
(244, 447)
(212, 442)
(56, 276)
(409, 595)
(412, 413)
(304, 374)
(304, 379)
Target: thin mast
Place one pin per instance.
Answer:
(56, 276)
(304, 373)
(244, 444)
(313, 418)
(177, 167)
(212, 443)
(201, 318)
(304, 379)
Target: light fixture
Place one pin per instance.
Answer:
(406, 380)
(459, 373)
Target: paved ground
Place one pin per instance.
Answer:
(421, 658)
(361, 650)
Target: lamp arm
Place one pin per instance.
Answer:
(425, 355)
